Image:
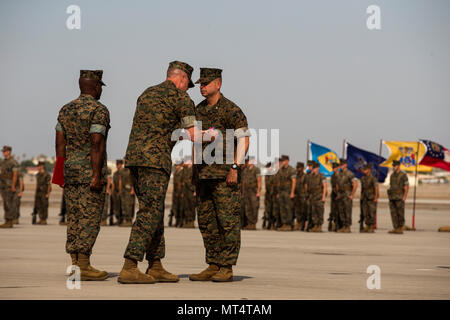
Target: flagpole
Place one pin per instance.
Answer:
(343, 148)
(415, 188)
(307, 152)
(378, 176)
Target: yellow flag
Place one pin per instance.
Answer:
(406, 153)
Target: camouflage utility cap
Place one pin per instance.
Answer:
(300, 165)
(395, 163)
(93, 75)
(209, 74)
(6, 148)
(183, 66)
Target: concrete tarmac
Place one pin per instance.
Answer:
(271, 265)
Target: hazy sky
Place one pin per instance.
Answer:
(309, 68)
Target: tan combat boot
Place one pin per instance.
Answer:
(157, 271)
(225, 274)
(333, 226)
(15, 221)
(206, 274)
(131, 274)
(74, 258)
(285, 227)
(313, 229)
(370, 229)
(189, 225)
(397, 231)
(251, 227)
(318, 228)
(43, 222)
(103, 223)
(444, 229)
(347, 229)
(125, 223)
(89, 273)
(7, 224)
(365, 230)
(63, 223)
(297, 226)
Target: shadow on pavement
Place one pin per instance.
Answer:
(235, 278)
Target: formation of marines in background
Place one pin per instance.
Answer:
(225, 197)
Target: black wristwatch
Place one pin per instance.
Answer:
(234, 166)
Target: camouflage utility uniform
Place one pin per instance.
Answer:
(286, 174)
(43, 181)
(334, 211)
(397, 183)
(369, 206)
(275, 201)
(127, 197)
(7, 167)
(177, 205)
(160, 110)
(115, 196)
(300, 199)
(188, 198)
(250, 188)
(268, 200)
(315, 191)
(78, 120)
(344, 190)
(219, 204)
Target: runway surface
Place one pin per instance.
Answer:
(272, 265)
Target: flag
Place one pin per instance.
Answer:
(357, 158)
(437, 156)
(405, 152)
(325, 157)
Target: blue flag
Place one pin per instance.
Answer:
(325, 157)
(357, 158)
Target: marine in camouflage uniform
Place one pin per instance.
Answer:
(397, 192)
(268, 198)
(369, 198)
(116, 202)
(177, 205)
(107, 205)
(308, 202)
(188, 195)
(20, 186)
(286, 193)
(43, 189)
(160, 110)
(276, 223)
(218, 185)
(251, 186)
(346, 185)
(333, 220)
(127, 197)
(317, 188)
(9, 179)
(81, 134)
(300, 198)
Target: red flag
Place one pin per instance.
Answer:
(437, 156)
(58, 172)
